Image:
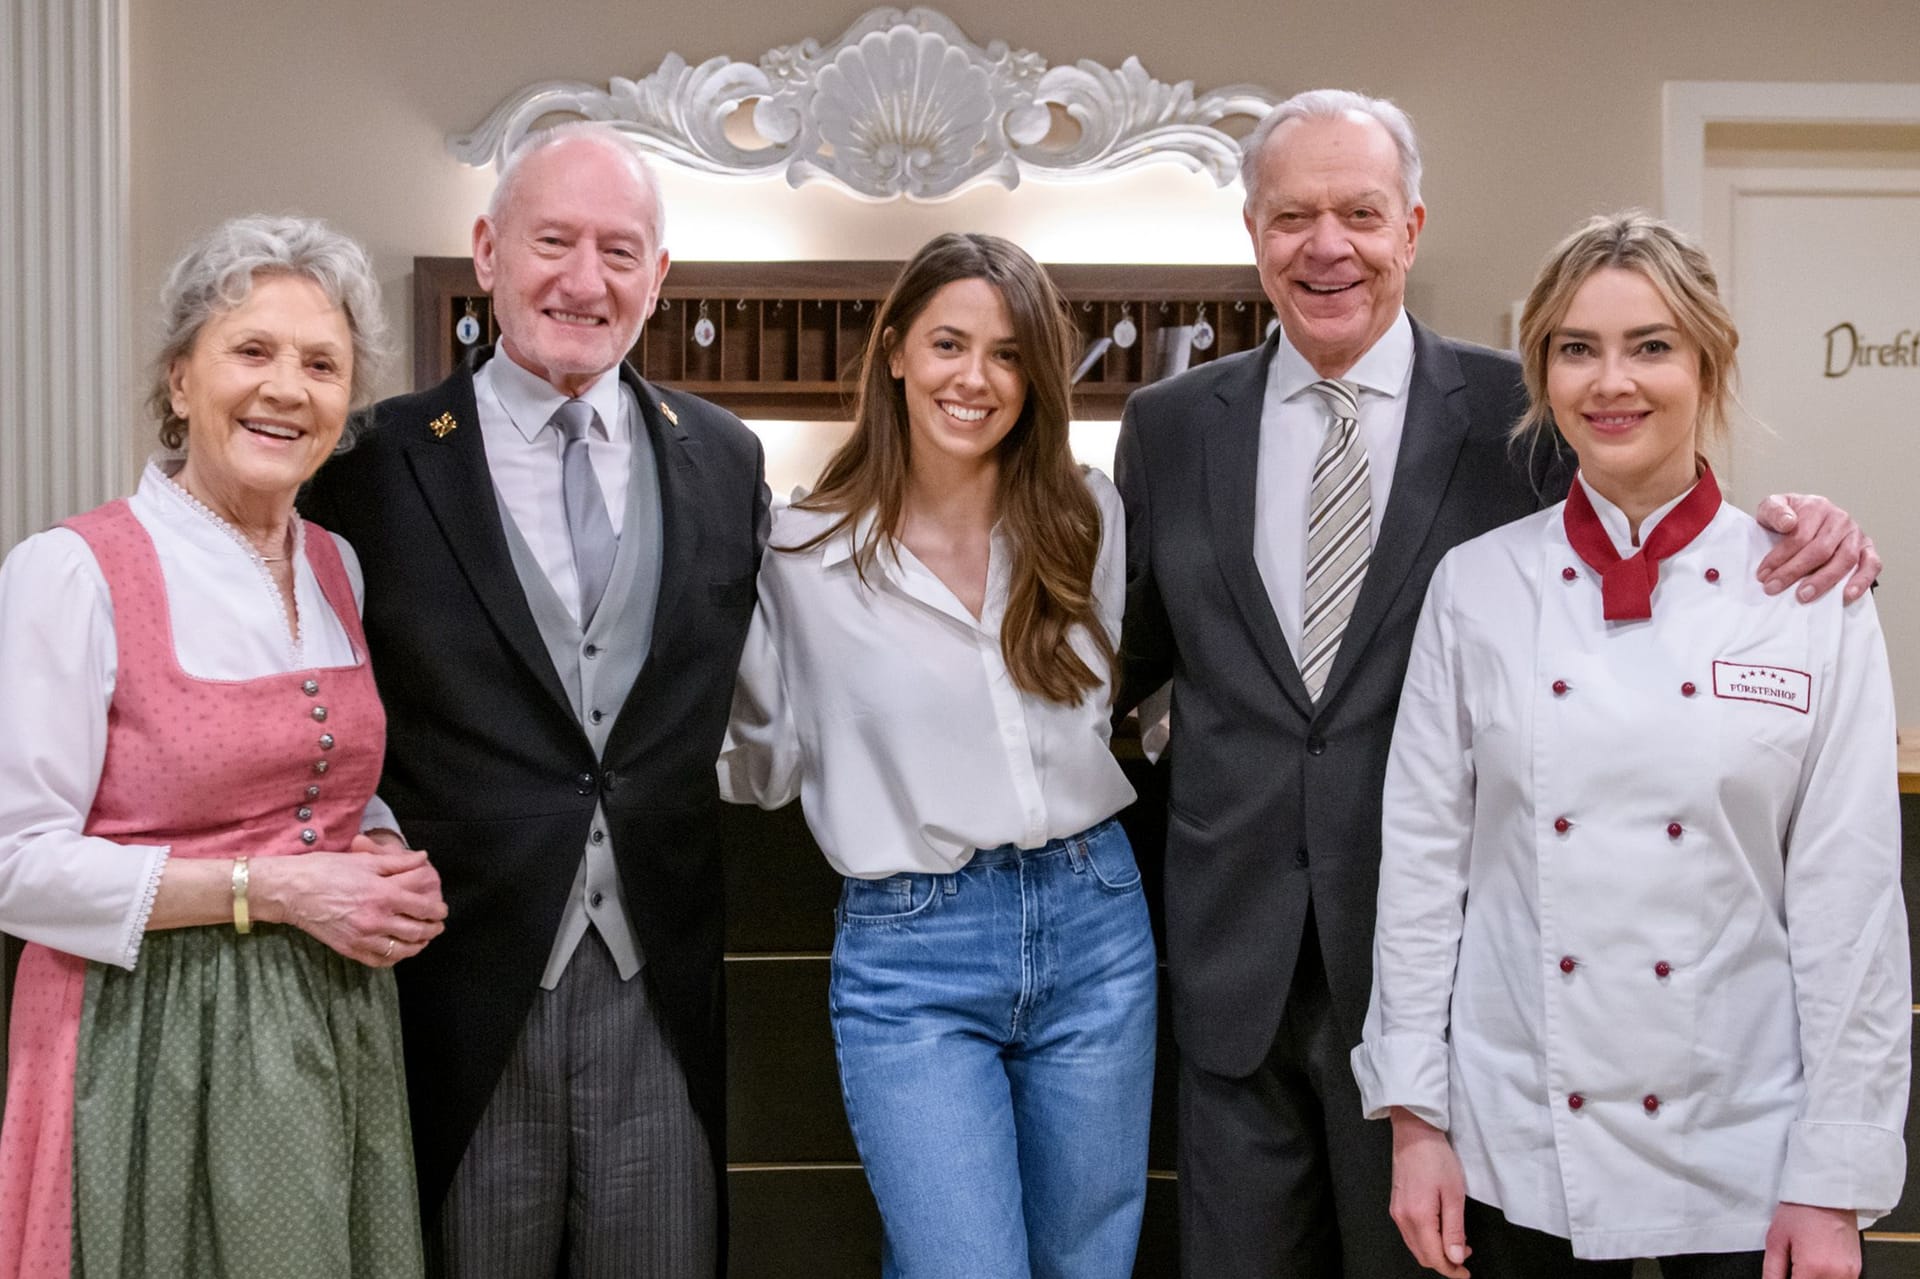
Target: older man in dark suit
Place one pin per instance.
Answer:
(1285, 510)
(560, 564)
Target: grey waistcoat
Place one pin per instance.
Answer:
(597, 667)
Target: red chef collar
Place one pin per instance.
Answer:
(1626, 585)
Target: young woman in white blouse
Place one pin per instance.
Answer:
(929, 672)
(1641, 982)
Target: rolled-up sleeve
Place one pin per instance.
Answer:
(58, 886)
(1426, 834)
(1847, 935)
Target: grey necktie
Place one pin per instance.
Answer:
(593, 541)
(1339, 535)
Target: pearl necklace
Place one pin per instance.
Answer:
(295, 648)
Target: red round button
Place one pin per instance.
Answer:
(1566, 964)
(1575, 1101)
(1559, 688)
(1687, 689)
(1650, 1103)
(1674, 830)
(1663, 969)
(1562, 825)
(1567, 574)
(1713, 575)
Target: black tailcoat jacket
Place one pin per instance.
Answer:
(488, 769)
(1273, 800)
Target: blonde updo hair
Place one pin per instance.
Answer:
(1679, 271)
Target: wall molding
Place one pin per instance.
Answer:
(902, 103)
(65, 333)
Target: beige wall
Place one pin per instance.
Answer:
(1533, 114)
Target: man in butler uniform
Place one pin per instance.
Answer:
(1285, 510)
(560, 563)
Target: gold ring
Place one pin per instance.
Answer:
(388, 952)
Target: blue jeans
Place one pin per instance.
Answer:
(995, 1029)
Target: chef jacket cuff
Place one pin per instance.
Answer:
(1403, 1070)
(1858, 1166)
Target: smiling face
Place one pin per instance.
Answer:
(571, 263)
(264, 390)
(1623, 381)
(1332, 235)
(960, 369)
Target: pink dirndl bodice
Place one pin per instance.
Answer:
(213, 768)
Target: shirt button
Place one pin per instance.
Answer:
(1663, 969)
(311, 687)
(1559, 688)
(302, 813)
(326, 741)
(1650, 1103)
(1316, 745)
(595, 900)
(308, 836)
(1675, 830)
(1561, 825)
(599, 837)
(591, 650)
(595, 716)
(320, 714)
(1713, 575)
(1567, 574)
(1687, 689)
(1566, 964)
(1575, 1101)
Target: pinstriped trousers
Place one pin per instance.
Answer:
(589, 1160)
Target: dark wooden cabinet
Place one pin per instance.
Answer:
(786, 334)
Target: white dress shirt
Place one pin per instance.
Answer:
(889, 709)
(523, 456)
(1294, 422)
(1641, 947)
(58, 662)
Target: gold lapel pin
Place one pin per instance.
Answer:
(442, 426)
(671, 415)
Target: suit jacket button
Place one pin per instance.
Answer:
(1301, 859)
(1316, 745)
(584, 783)
(609, 779)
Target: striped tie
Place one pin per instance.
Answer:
(1339, 535)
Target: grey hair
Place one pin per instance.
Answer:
(218, 273)
(1334, 104)
(600, 134)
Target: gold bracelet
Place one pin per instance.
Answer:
(242, 922)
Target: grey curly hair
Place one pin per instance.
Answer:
(218, 273)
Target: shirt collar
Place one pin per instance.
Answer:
(1614, 520)
(1383, 368)
(530, 400)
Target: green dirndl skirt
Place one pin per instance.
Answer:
(240, 1112)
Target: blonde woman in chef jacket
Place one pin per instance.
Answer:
(1641, 983)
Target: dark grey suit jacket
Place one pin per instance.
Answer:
(487, 767)
(1273, 801)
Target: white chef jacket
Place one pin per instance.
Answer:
(1652, 866)
(889, 710)
(78, 893)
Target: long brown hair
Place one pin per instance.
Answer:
(1051, 521)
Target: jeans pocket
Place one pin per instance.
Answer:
(1109, 855)
(892, 900)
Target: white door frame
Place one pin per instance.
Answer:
(1689, 106)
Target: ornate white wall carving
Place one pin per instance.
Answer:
(64, 329)
(902, 103)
